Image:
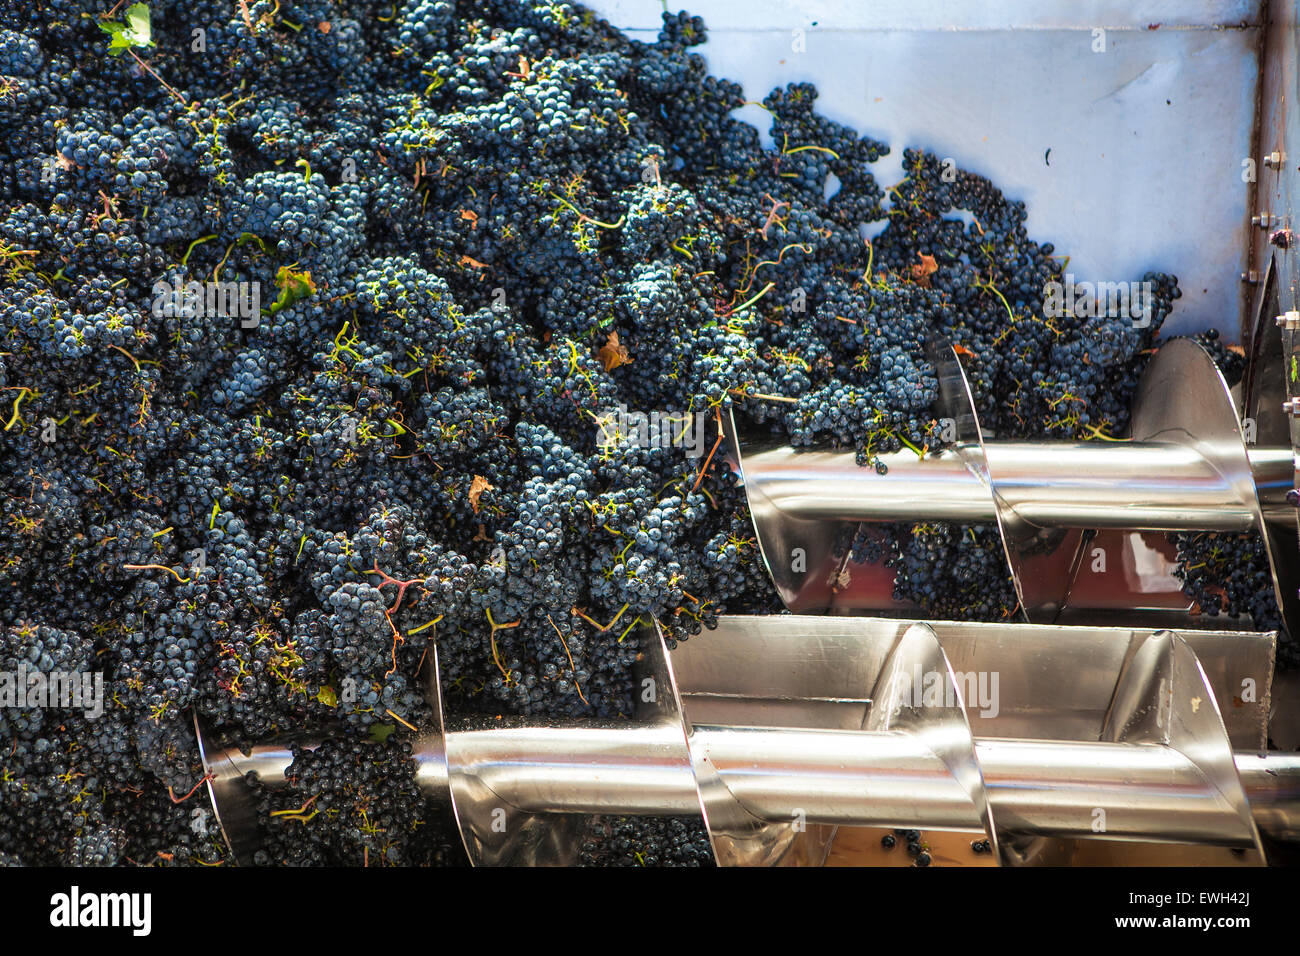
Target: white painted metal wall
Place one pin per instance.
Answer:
(1147, 136)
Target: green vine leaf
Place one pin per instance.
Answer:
(293, 286)
(379, 733)
(134, 30)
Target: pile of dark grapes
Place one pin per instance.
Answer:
(646, 841)
(1228, 574)
(429, 246)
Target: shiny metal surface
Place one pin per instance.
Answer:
(524, 795)
(1268, 385)
(1182, 397)
(1040, 591)
(1043, 788)
(1153, 485)
(805, 674)
(841, 778)
(1186, 468)
(797, 552)
(633, 770)
(1054, 682)
(429, 749)
(1163, 698)
(899, 705)
(226, 766)
(837, 777)
(1103, 790)
(1273, 789)
(766, 728)
(751, 835)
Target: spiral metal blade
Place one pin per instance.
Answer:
(503, 775)
(1164, 699)
(917, 694)
(781, 729)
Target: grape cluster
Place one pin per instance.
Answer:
(351, 803)
(1229, 575)
(646, 841)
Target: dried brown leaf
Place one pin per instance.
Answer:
(613, 353)
(925, 267)
(476, 489)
